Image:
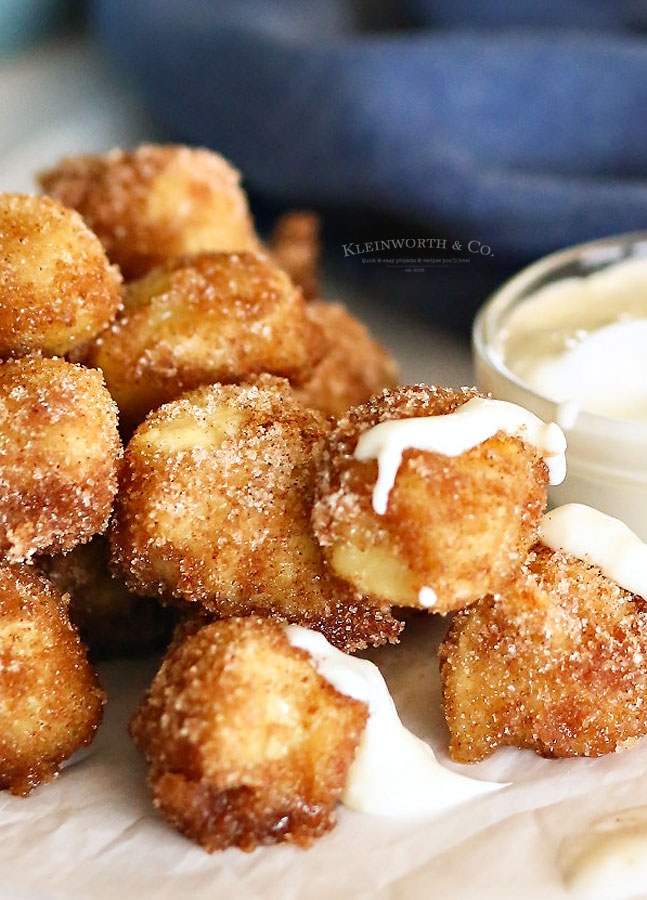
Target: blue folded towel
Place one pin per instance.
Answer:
(521, 124)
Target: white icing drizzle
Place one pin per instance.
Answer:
(453, 434)
(567, 414)
(394, 772)
(600, 540)
(608, 862)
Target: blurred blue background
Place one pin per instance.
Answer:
(522, 125)
(24, 21)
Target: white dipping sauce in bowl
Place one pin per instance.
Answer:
(567, 339)
(584, 340)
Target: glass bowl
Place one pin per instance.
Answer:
(607, 458)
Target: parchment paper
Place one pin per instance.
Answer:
(94, 833)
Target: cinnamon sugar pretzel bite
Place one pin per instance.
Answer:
(59, 452)
(246, 743)
(354, 366)
(554, 663)
(295, 246)
(201, 319)
(57, 287)
(154, 203)
(453, 527)
(50, 700)
(214, 512)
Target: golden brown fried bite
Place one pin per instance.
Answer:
(295, 246)
(354, 366)
(246, 743)
(50, 700)
(59, 449)
(459, 526)
(214, 510)
(154, 203)
(555, 664)
(201, 319)
(112, 621)
(57, 288)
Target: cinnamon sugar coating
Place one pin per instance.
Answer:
(246, 743)
(353, 367)
(460, 526)
(295, 246)
(59, 450)
(214, 511)
(57, 288)
(201, 319)
(50, 700)
(154, 203)
(555, 664)
(112, 621)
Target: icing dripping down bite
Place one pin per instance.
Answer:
(394, 772)
(600, 540)
(471, 424)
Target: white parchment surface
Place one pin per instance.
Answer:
(93, 834)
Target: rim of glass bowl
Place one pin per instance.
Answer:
(490, 317)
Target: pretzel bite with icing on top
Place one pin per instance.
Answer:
(154, 203)
(296, 248)
(202, 319)
(112, 621)
(59, 450)
(455, 527)
(554, 664)
(246, 743)
(50, 700)
(354, 366)
(57, 287)
(214, 510)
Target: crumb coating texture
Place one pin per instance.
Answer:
(214, 511)
(246, 743)
(154, 203)
(50, 700)
(57, 288)
(202, 319)
(59, 453)
(555, 664)
(460, 526)
(296, 247)
(353, 367)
